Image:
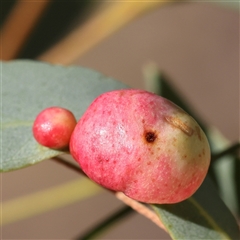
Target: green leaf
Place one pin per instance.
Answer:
(203, 216)
(30, 86)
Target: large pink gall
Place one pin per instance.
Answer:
(143, 145)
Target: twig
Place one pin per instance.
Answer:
(140, 208)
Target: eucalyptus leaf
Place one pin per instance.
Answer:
(202, 216)
(30, 86)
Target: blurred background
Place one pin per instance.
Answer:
(196, 44)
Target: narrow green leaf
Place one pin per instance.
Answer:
(30, 86)
(203, 216)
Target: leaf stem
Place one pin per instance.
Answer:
(109, 221)
(232, 149)
(141, 208)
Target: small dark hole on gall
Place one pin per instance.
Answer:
(150, 137)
